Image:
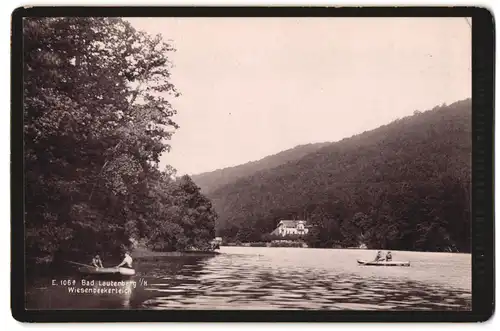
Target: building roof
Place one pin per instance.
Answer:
(292, 223)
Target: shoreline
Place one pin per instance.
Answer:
(144, 253)
(347, 249)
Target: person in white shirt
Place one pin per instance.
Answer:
(127, 261)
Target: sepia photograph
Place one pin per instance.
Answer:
(248, 163)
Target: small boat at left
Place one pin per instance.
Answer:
(106, 271)
(90, 270)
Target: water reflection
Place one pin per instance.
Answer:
(262, 280)
(227, 285)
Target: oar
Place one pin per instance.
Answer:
(85, 265)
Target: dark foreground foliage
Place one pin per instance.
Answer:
(405, 185)
(96, 122)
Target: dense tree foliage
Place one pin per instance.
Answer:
(211, 181)
(405, 185)
(96, 120)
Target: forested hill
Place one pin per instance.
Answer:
(404, 185)
(210, 181)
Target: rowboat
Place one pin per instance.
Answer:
(107, 271)
(385, 263)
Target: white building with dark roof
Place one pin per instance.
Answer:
(291, 227)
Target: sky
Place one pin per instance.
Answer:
(252, 87)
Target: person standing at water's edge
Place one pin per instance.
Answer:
(127, 261)
(97, 262)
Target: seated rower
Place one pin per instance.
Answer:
(214, 245)
(96, 262)
(127, 261)
(379, 257)
(388, 257)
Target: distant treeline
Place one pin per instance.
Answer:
(95, 125)
(405, 185)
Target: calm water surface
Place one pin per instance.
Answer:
(273, 278)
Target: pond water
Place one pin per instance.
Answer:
(271, 278)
